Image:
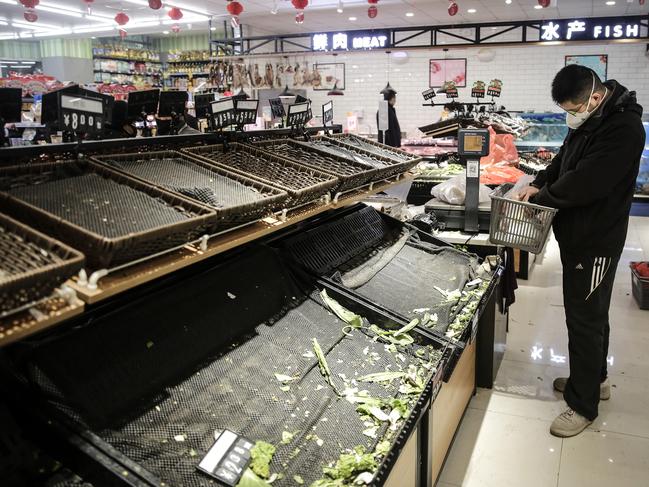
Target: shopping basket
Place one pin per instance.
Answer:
(640, 287)
(519, 224)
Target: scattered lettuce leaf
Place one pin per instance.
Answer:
(261, 455)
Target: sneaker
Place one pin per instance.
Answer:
(569, 423)
(559, 384)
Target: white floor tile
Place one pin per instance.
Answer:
(500, 450)
(604, 460)
(523, 389)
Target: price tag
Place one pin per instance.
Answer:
(495, 87)
(299, 114)
(327, 113)
(429, 94)
(81, 114)
(478, 90)
(277, 108)
(227, 459)
(246, 112)
(223, 113)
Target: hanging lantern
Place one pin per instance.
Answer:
(453, 9)
(88, 5)
(544, 3)
(155, 4)
(372, 12)
(234, 9)
(641, 2)
(30, 15)
(300, 5)
(175, 13)
(175, 28)
(122, 33)
(121, 19)
(29, 4)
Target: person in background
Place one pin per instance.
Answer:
(591, 181)
(392, 136)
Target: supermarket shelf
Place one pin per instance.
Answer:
(202, 61)
(112, 58)
(180, 75)
(45, 315)
(124, 73)
(141, 273)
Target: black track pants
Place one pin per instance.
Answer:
(587, 289)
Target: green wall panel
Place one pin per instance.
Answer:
(192, 42)
(81, 48)
(20, 50)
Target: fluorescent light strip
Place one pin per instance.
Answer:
(184, 20)
(23, 35)
(138, 2)
(9, 2)
(34, 25)
(59, 11)
(19, 67)
(2, 22)
(53, 33)
(84, 30)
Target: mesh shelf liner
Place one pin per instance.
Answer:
(303, 154)
(236, 387)
(407, 282)
(18, 256)
(349, 153)
(100, 205)
(266, 168)
(368, 146)
(192, 180)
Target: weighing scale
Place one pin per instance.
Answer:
(472, 144)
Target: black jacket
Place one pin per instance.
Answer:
(392, 136)
(592, 179)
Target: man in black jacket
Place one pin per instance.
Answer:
(591, 181)
(392, 136)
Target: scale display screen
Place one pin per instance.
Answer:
(473, 142)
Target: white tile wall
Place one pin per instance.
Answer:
(526, 72)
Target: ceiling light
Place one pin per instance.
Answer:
(340, 7)
(472, 10)
(165, 32)
(9, 2)
(19, 67)
(34, 25)
(410, 14)
(508, 2)
(53, 33)
(2, 22)
(537, 7)
(59, 11)
(27, 62)
(353, 19)
(85, 30)
(26, 34)
(610, 2)
(143, 3)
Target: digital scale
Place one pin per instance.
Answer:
(472, 144)
(470, 218)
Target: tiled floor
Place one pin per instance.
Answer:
(504, 438)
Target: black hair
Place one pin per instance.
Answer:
(388, 95)
(574, 83)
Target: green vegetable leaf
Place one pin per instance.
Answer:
(349, 317)
(249, 479)
(298, 479)
(284, 378)
(382, 377)
(261, 455)
(410, 326)
(287, 437)
(324, 366)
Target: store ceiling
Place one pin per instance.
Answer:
(69, 17)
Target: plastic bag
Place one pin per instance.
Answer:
(522, 183)
(453, 191)
(501, 149)
(498, 174)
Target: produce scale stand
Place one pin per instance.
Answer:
(251, 330)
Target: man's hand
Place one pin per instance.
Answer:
(527, 193)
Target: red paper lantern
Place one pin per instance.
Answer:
(300, 4)
(175, 13)
(122, 19)
(372, 12)
(122, 33)
(29, 3)
(544, 3)
(30, 15)
(175, 28)
(372, 2)
(299, 17)
(641, 2)
(234, 8)
(155, 4)
(453, 9)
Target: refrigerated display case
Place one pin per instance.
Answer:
(545, 130)
(642, 182)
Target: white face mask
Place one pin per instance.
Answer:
(574, 121)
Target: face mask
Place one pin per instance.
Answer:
(576, 120)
